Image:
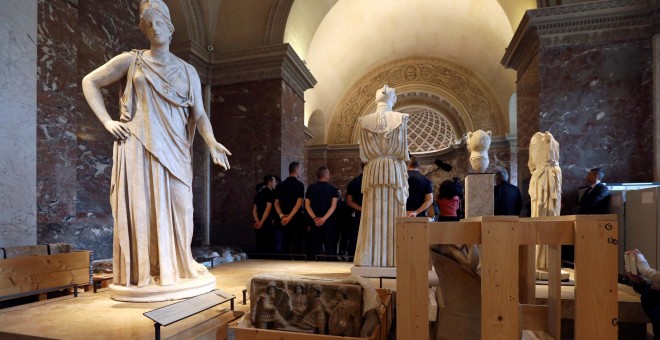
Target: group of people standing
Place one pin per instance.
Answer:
(292, 221)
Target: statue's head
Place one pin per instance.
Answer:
(478, 140)
(155, 7)
(387, 95)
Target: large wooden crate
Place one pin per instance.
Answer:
(28, 275)
(234, 332)
(507, 273)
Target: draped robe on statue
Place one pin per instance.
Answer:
(151, 185)
(545, 184)
(384, 186)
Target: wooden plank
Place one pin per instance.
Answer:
(534, 317)
(34, 265)
(555, 232)
(25, 284)
(412, 257)
(595, 279)
(527, 272)
(37, 273)
(554, 291)
(455, 233)
(500, 313)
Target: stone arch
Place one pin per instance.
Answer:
(279, 13)
(316, 124)
(187, 20)
(473, 101)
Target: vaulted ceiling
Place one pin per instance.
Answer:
(342, 42)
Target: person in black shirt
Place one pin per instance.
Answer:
(289, 196)
(507, 197)
(320, 204)
(261, 212)
(420, 191)
(344, 223)
(354, 201)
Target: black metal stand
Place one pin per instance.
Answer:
(178, 311)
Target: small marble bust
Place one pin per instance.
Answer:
(478, 143)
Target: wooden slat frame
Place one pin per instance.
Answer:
(596, 259)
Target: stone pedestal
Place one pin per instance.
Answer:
(479, 195)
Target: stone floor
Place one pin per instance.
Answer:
(96, 316)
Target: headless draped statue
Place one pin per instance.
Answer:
(383, 139)
(545, 184)
(151, 184)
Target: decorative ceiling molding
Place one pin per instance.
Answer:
(193, 15)
(579, 24)
(269, 62)
(470, 96)
(279, 13)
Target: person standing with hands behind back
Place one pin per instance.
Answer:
(289, 197)
(151, 183)
(261, 212)
(420, 191)
(320, 204)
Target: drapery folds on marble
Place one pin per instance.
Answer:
(545, 184)
(152, 175)
(384, 185)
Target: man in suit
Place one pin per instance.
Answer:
(595, 199)
(508, 200)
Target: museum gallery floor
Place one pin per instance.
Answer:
(94, 316)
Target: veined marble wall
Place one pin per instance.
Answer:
(597, 102)
(73, 148)
(18, 204)
(261, 123)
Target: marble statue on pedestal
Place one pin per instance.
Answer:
(151, 185)
(545, 184)
(478, 143)
(383, 139)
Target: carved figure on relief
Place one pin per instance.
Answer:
(478, 143)
(151, 183)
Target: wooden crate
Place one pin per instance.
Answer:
(507, 290)
(27, 275)
(234, 332)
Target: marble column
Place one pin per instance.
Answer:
(257, 113)
(18, 205)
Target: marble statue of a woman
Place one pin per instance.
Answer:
(545, 184)
(383, 140)
(151, 184)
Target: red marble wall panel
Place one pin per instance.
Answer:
(597, 102)
(261, 123)
(73, 149)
